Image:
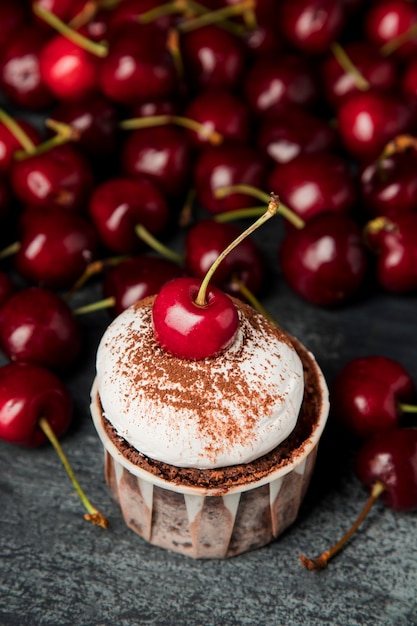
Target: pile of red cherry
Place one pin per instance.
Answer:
(161, 117)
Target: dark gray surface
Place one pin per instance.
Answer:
(56, 569)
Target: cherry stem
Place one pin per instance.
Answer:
(173, 47)
(17, 132)
(344, 61)
(94, 268)
(230, 216)
(408, 408)
(253, 300)
(213, 17)
(400, 143)
(64, 134)
(98, 49)
(393, 45)
(186, 214)
(93, 515)
(286, 212)
(321, 561)
(106, 303)
(144, 234)
(211, 135)
(10, 250)
(271, 210)
(169, 8)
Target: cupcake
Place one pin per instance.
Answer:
(211, 457)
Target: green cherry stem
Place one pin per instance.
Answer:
(94, 268)
(17, 132)
(144, 234)
(211, 135)
(93, 514)
(272, 210)
(393, 45)
(98, 49)
(10, 250)
(344, 61)
(214, 17)
(408, 408)
(253, 300)
(287, 213)
(168, 8)
(64, 133)
(321, 561)
(106, 303)
(239, 214)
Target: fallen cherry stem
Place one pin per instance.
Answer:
(408, 408)
(320, 562)
(106, 303)
(144, 234)
(93, 515)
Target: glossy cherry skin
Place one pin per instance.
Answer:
(222, 111)
(314, 183)
(189, 331)
(225, 165)
(367, 392)
(95, 118)
(36, 325)
(118, 205)
(389, 186)
(295, 131)
(68, 70)
(9, 144)
(390, 457)
(20, 77)
(138, 66)
(324, 262)
(162, 154)
(60, 179)
(274, 83)
(136, 278)
(311, 25)
(206, 239)
(368, 121)
(213, 58)
(388, 19)
(379, 71)
(29, 392)
(55, 248)
(394, 241)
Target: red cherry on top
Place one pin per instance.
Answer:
(189, 330)
(194, 320)
(368, 392)
(27, 393)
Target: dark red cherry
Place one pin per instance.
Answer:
(206, 239)
(5, 199)
(162, 154)
(408, 82)
(390, 458)
(60, 178)
(274, 83)
(314, 183)
(394, 241)
(13, 17)
(37, 326)
(29, 392)
(136, 278)
(7, 287)
(189, 330)
(138, 66)
(118, 205)
(134, 11)
(380, 72)
(223, 166)
(311, 26)
(9, 143)
(388, 21)
(68, 70)
(368, 121)
(219, 110)
(295, 131)
(20, 77)
(213, 58)
(368, 392)
(389, 185)
(95, 118)
(55, 248)
(324, 262)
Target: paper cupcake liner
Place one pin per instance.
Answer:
(208, 526)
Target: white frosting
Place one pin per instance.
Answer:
(204, 414)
